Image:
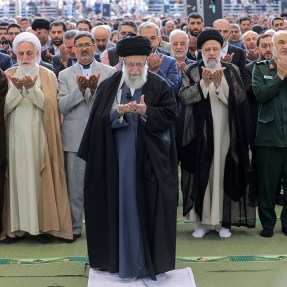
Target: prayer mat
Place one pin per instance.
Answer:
(176, 278)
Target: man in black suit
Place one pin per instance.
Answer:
(56, 31)
(229, 53)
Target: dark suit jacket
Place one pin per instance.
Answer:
(5, 61)
(44, 52)
(58, 66)
(46, 65)
(239, 58)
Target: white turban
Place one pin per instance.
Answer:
(27, 37)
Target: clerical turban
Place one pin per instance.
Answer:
(41, 24)
(132, 45)
(27, 37)
(206, 35)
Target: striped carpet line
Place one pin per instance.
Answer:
(218, 259)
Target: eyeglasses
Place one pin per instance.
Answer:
(13, 33)
(265, 46)
(86, 45)
(138, 64)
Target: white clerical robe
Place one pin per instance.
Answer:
(25, 147)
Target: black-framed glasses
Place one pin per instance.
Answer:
(138, 64)
(86, 45)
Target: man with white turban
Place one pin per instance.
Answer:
(36, 201)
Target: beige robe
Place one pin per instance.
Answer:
(213, 199)
(48, 198)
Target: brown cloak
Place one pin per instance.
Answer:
(55, 217)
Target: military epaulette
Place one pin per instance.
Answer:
(263, 62)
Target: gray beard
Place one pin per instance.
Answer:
(136, 82)
(28, 69)
(213, 64)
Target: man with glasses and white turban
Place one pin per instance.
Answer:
(131, 180)
(37, 200)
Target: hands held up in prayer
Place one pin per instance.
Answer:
(214, 77)
(64, 55)
(88, 82)
(282, 68)
(49, 56)
(181, 66)
(26, 82)
(133, 107)
(154, 62)
(227, 58)
(252, 54)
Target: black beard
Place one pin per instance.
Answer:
(194, 34)
(56, 44)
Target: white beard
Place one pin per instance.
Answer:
(135, 82)
(28, 69)
(211, 64)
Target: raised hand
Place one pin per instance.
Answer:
(28, 82)
(139, 108)
(17, 82)
(282, 68)
(181, 66)
(206, 76)
(82, 82)
(122, 109)
(93, 82)
(154, 62)
(227, 58)
(217, 76)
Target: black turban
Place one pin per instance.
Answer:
(206, 35)
(41, 24)
(132, 45)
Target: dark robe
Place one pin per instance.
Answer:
(3, 92)
(157, 178)
(195, 145)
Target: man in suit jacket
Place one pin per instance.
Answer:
(77, 86)
(229, 53)
(67, 56)
(5, 61)
(56, 32)
(163, 65)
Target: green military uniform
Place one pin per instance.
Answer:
(271, 140)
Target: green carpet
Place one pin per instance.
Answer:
(243, 260)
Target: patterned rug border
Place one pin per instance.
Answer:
(79, 259)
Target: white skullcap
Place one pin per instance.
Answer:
(27, 37)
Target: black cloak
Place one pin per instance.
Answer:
(157, 178)
(196, 155)
(3, 92)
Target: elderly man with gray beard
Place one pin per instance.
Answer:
(131, 180)
(214, 139)
(37, 200)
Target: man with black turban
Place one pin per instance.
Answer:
(131, 172)
(213, 137)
